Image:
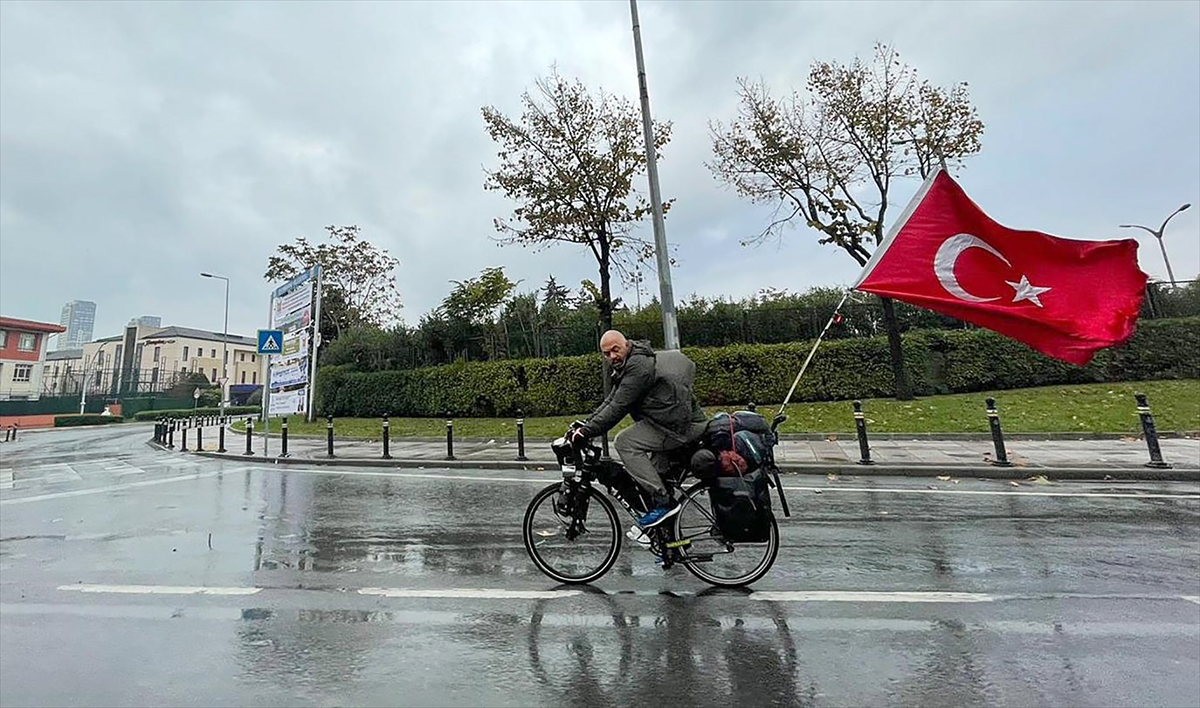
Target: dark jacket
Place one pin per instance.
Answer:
(655, 386)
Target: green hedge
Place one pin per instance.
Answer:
(937, 361)
(189, 412)
(71, 421)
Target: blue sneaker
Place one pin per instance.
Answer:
(657, 516)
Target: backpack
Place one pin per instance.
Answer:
(742, 441)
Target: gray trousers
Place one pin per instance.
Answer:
(637, 445)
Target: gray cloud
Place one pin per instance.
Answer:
(143, 143)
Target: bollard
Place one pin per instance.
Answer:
(8, 434)
(200, 437)
(157, 430)
(221, 436)
(997, 435)
(171, 434)
(15, 428)
(521, 437)
(283, 435)
(860, 422)
(249, 436)
(449, 437)
(183, 447)
(1143, 409)
(329, 431)
(387, 453)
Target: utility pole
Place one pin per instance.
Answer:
(666, 294)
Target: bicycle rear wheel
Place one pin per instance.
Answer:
(708, 556)
(567, 548)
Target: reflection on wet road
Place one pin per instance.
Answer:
(247, 584)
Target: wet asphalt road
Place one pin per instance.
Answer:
(336, 587)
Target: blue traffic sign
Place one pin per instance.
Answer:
(270, 341)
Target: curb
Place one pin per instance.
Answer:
(1093, 473)
(956, 437)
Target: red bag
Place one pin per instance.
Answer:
(732, 464)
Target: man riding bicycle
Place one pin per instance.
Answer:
(655, 389)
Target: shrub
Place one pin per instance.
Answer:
(71, 421)
(189, 412)
(937, 361)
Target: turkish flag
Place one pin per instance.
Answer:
(1064, 298)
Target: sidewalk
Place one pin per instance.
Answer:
(1123, 458)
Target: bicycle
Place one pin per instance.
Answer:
(692, 538)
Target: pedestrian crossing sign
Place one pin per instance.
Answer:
(270, 341)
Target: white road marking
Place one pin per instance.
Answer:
(890, 490)
(120, 487)
(852, 596)
(997, 492)
(159, 590)
(470, 593)
(1191, 598)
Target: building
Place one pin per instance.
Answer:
(23, 345)
(79, 321)
(154, 359)
(147, 321)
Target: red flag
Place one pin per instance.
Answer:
(1064, 298)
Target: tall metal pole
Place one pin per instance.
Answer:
(225, 352)
(666, 294)
(314, 342)
(1159, 236)
(224, 341)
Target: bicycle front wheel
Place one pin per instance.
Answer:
(570, 549)
(708, 556)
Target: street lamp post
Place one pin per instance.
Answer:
(1159, 235)
(224, 341)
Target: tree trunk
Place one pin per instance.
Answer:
(606, 310)
(903, 390)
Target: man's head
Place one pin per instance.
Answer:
(615, 348)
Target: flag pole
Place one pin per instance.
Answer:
(813, 351)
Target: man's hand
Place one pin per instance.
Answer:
(577, 436)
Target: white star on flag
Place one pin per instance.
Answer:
(1027, 291)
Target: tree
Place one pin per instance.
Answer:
(829, 160)
(471, 308)
(569, 162)
(358, 284)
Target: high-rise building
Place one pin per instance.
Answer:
(79, 317)
(149, 321)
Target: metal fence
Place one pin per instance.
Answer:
(106, 382)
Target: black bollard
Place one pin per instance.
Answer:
(997, 435)
(283, 440)
(329, 438)
(171, 434)
(449, 437)
(183, 447)
(1143, 409)
(249, 436)
(221, 437)
(521, 437)
(200, 436)
(860, 422)
(387, 453)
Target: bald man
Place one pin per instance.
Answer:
(655, 389)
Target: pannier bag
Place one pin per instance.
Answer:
(742, 507)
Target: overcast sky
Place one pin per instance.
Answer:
(142, 143)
